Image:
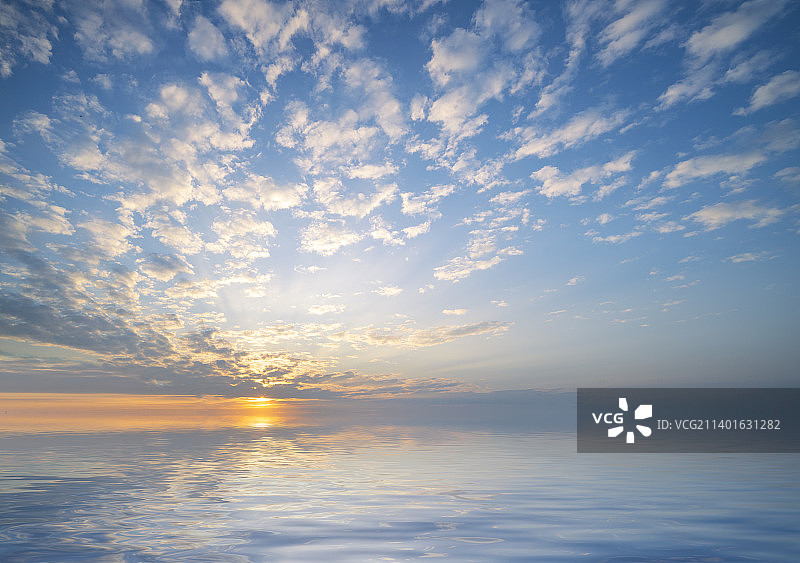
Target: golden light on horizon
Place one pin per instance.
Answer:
(52, 412)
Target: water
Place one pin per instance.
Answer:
(279, 488)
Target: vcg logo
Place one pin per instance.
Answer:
(618, 418)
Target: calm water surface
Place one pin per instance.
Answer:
(278, 489)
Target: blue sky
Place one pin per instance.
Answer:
(380, 198)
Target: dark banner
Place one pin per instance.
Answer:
(677, 420)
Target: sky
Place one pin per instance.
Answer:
(383, 198)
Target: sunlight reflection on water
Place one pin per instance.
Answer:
(381, 492)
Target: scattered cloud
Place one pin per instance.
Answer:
(751, 257)
(577, 131)
(626, 33)
(206, 41)
(718, 215)
(164, 267)
(732, 165)
(457, 312)
(326, 238)
(388, 290)
(782, 87)
(555, 184)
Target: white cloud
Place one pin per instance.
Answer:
(262, 192)
(372, 171)
(706, 46)
(326, 238)
(25, 34)
(325, 309)
(617, 239)
(698, 85)
(328, 191)
(374, 87)
(242, 235)
(206, 41)
(456, 312)
(180, 237)
(751, 257)
(418, 106)
(510, 20)
(327, 144)
(704, 166)
(461, 267)
(115, 28)
(555, 184)
(383, 232)
(388, 290)
(578, 130)
(415, 204)
(406, 336)
(509, 198)
(720, 214)
(790, 175)
(626, 33)
(730, 29)
(109, 239)
(780, 88)
(261, 21)
(164, 267)
(460, 53)
(417, 230)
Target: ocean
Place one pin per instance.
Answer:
(200, 483)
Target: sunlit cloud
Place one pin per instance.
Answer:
(286, 198)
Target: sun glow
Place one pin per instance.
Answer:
(49, 412)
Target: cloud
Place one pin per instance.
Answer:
(732, 165)
(460, 53)
(461, 267)
(243, 235)
(417, 230)
(327, 144)
(457, 312)
(424, 203)
(115, 28)
(718, 215)
(262, 192)
(790, 175)
(328, 191)
(388, 290)
(509, 20)
(578, 130)
(707, 46)
(471, 67)
(25, 35)
(167, 232)
(407, 336)
(325, 309)
(626, 33)
(555, 184)
(780, 88)
(326, 238)
(374, 90)
(164, 267)
(728, 30)
(109, 239)
(206, 41)
(617, 239)
(751, 257)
